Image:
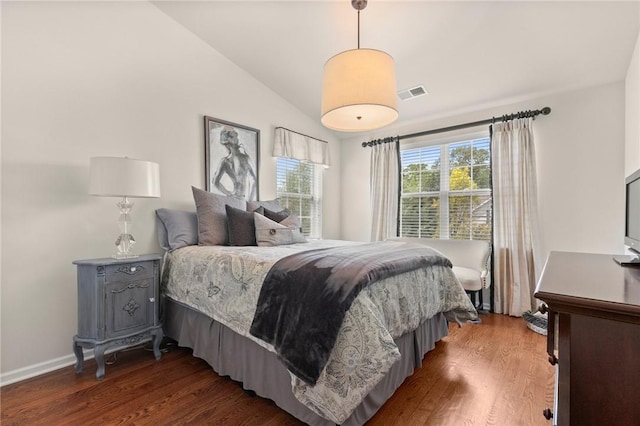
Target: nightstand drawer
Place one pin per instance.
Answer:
(129, 272)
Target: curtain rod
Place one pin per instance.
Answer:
(492, 120)
(298, 133)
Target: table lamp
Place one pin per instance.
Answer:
(124, 177)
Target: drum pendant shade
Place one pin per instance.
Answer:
(359, 91)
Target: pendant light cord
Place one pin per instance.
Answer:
(358, 28)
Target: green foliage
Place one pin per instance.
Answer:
(421, 217)
(476, 160)
(298, 179)
(419, 178)
(295, 191)
(466, 155)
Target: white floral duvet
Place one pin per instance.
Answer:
(224, 283)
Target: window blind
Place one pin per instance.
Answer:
(299, 188)
(446, 191)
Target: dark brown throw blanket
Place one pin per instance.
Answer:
(305, 296)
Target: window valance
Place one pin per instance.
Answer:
(290, 144)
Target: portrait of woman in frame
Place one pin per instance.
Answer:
(231, 158)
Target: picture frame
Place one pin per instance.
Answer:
(232, 158)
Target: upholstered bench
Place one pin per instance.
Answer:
(470, 258)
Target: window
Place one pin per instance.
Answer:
(299, 188)
(446, 191)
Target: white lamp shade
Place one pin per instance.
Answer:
(124, 177)
(359, 91)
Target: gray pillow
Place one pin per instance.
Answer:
(212, 217)
(161, 232)
(273, 205)
(270, 233)
(176, 228)
(241, 226)
(276, 216)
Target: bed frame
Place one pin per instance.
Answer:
(260, 371)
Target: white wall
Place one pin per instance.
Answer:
(114, 79)
(632, 113)
(580, 163)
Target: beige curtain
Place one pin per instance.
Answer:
(385, 181)
(290, 144)
(515, 216)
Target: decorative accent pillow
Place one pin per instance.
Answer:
(176, 228)
(273, 205)
(276, 216)
(270, 233)
(292, 221)
(241, 225)
(212, 216)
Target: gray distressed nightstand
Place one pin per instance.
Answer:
(117, 306)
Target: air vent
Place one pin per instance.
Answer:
(414, 92)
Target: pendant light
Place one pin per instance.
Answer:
(359, 88)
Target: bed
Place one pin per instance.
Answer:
(210, 294)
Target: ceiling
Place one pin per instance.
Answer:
(468, 55)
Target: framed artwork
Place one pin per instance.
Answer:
(232, 155)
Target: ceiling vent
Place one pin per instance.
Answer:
(414, 92)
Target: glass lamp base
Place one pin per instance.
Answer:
(125, 241)
(124, 246)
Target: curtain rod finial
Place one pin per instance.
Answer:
(545, 111)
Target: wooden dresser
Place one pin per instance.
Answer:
(593, 338)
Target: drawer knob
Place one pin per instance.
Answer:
(542, 308)
(152, 299)
(133, 269)
(547, 413)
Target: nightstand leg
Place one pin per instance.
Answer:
(99, 355)
(157, 339)
(77, 349)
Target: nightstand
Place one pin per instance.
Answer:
(117, 306)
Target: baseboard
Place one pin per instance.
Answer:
(34, 370)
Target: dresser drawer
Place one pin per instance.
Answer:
(129, 272)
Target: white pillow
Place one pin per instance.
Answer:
(270, 233)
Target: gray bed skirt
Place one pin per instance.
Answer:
(259, 370)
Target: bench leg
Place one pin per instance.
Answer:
(476, 299)
(472, 296)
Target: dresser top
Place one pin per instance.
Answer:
(590, 281)
(106, 261)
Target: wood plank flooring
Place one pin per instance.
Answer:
(494, 373)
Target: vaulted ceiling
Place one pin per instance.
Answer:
(468, 55)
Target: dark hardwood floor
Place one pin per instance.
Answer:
(494, 373)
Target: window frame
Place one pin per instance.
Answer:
(315, 195)
(444, 193)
